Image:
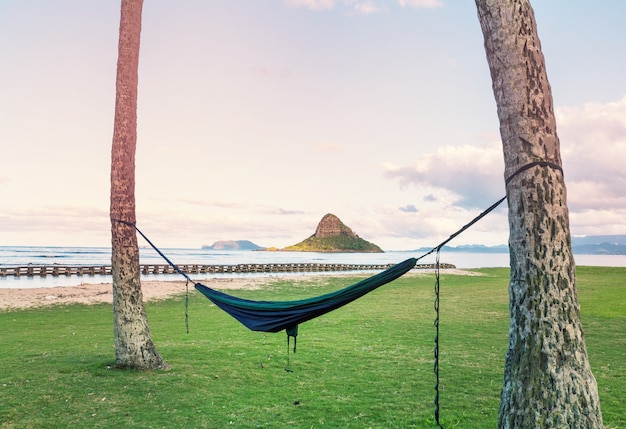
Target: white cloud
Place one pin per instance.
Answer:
(358, 7)
(598, 222)
(287, 212)
(473, 174)
(213, 204)
(368, 8)
(409, 208)
(421, 4)
(312, 4)
(430, 223)
(456, 183)
(51, 225)
(593, 148)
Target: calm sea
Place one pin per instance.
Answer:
(87, 256)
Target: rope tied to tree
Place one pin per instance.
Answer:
(531, 165)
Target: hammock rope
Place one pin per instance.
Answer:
(436, 350)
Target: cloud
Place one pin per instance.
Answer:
(430, 224)
(409, 208)
(285, 212)
(472, 174)
(368, 8)
(598, 222)
(217, 204)
(316, 5)
(593, 148)
(358, 7)
(421, 4)
(52, 225)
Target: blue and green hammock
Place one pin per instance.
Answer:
(274, 316)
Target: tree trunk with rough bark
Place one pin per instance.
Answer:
(133, 341)
(548, 382)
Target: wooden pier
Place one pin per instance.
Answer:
(61, 270)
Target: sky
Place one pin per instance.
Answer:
(258, 117)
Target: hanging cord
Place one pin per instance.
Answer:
(437, 249)
(187, 305)
(181, 272)
(436, 350)
(288, 368)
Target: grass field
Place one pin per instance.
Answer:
(367, 365)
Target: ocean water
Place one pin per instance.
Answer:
(11, 256)
(87, 256)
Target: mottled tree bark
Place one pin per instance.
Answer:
(547, 378)
(133, 341)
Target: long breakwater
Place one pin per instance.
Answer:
(61, 270)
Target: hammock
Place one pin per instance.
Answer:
(274, 316)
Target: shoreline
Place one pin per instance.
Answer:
(97, 293)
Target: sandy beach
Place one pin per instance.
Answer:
(16, 298)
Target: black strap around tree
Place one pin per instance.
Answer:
(531, 165)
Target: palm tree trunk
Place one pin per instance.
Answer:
(547, 378)
(133, 341)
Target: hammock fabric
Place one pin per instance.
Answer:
(274, 316)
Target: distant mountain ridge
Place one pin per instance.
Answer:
(588, 245)
(233, 245)
(599, 245)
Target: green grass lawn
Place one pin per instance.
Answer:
(366, 365)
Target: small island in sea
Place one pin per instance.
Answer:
(232, 245)
(332, 235)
